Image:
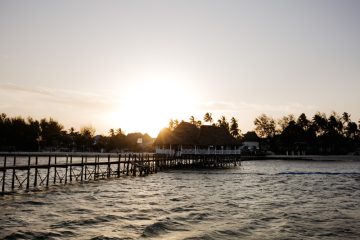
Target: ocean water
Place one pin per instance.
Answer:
(258, 200)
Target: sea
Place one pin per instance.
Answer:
(264, 199)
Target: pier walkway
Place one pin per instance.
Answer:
(27, 171)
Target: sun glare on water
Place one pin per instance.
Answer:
(147, 106)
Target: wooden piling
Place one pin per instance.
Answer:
(70, 169)
(48, 172)
(97, 167)
(36, 171)
(118, 166)
(82, 168)
(108, 167)
(55, 170)
(127, 166)
(133, 166)
(66, 169)
(28, 174)
(85, 168)
(4, 176)
(13, 175)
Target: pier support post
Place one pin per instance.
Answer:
(28, 174)
(85, 168)
(48, 172)
(13, 175)
(66, 169)
(36, 171)
(70, 175)
(3, 176)
(127, 165)
(118, 167)
(82, 168)
(108, 167)
(55, 170)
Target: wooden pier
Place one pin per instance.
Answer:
(27, 171)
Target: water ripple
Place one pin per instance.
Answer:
(259, 200)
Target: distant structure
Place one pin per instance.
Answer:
(251, 141)
(186, 138)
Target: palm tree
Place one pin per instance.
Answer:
(208, 117)
(320, 123)
(351, 130)
(222, 122)
(119, 131)
(303, 122)
(335, 123)
(111, 132)
(192, 120)
(345, 119)
(234, 127)
(173, 124)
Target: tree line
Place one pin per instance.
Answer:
(321, 134)
(19, 134)
(232, 126)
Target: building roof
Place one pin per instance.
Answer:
(250, 137)
(188, 134)
(212, 135)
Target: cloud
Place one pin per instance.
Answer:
(217, 106)
(61, 96)
(255, 107)
(283, 108)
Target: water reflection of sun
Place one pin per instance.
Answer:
(148, 105)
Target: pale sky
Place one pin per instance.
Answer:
(136, 64)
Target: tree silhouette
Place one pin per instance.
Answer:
(234, 128)
(195, 122)
(111, 132)
(265, 126)
(330, 135)
(303, 122)
(87, 138)
(319, 123)
(335, 123)
(173, 124)
(223, 123)
(192, 120)
(351, 130)
(284, 122)
(51, 133)
(208, 118)
(293, 137)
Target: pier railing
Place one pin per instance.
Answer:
(26, 171)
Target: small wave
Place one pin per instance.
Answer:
(33, 235)
(79, 211)
(162, 227)
(201, 237)
(199, 216)
(85, 222)
(35, 203)
(109, 238)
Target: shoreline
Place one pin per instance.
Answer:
(305, 157)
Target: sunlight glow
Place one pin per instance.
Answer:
(147, 106)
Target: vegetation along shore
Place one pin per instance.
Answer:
(289, 135)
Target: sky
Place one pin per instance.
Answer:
(135, 64)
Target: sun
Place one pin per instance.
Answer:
(147, 106)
